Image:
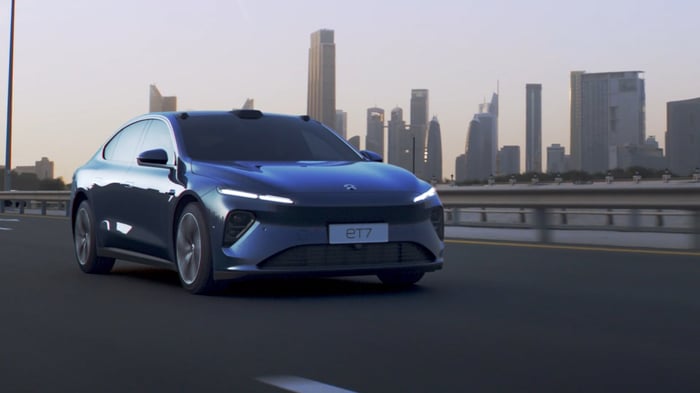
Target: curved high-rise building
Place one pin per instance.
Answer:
(433, 161)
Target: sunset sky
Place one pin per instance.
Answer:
(83, 67)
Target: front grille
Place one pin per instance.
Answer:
(348, 255)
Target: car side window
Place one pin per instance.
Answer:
(122, 147)
(158, 137)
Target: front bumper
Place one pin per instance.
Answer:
(294, 241)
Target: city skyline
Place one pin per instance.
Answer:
(84, 85)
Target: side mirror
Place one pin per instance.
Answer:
(371, 156)
(155, 157)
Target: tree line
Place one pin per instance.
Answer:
(30, 182)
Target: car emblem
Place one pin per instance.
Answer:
(350, 187)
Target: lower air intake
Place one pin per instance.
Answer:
(348, 255)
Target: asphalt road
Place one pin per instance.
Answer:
(498, 318)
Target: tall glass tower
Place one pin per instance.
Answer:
(419, 127)
(433, 162)
(533, 128)
(375, 130)
(321, 92)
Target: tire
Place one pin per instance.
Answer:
(403, 279)
(193, 251)
(84, 242)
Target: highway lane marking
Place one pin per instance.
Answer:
(33, 216)
(575, 248)
(301, 385)
(8, 220)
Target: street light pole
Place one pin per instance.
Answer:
(8, 142)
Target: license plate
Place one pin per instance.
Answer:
(358, 233)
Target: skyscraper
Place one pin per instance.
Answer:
(481, 159)
(248, 104)
(683, 135)
(533, 128)
(433, 162)
(482, 142)
(419, 127)
(374, 140)
(509, 160)
(399, 140)
(607, 111)
(321, 91)
(341, 123)
(158, 103)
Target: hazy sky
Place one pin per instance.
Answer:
(82, 67)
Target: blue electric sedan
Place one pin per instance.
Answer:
(219, 196)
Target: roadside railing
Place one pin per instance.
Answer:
(651, 206)
(35, 202)
(547, 207)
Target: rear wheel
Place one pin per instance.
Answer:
(84, 242)
(193, 251)
(402, 279)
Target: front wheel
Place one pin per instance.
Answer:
(402, 279)
(84, 242)
(193, 251)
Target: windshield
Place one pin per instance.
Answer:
(225, 137)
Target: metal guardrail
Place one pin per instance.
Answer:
(541, 200)
(544, 199)
(21, 201)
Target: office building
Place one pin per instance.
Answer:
(433, 159)
(556, 159)
(607, 111)
(683, 135)
(482, 142)
(509, 161)
(461, 168)
(249, 104)
(44, 169)
(159, 103)
(341, 123)
(533, 128)
(399, 141)
(355, 141)
(419, 127)
(374, 140)
(321, 83)
(646, 155)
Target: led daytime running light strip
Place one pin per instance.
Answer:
(250, 195)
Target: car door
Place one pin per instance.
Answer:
(110, 187)
(152, 194)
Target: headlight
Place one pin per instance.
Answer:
(250, 195)
(428, 194)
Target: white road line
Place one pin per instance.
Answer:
(301, 385)
(8, 220)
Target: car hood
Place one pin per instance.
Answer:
(317, 181)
